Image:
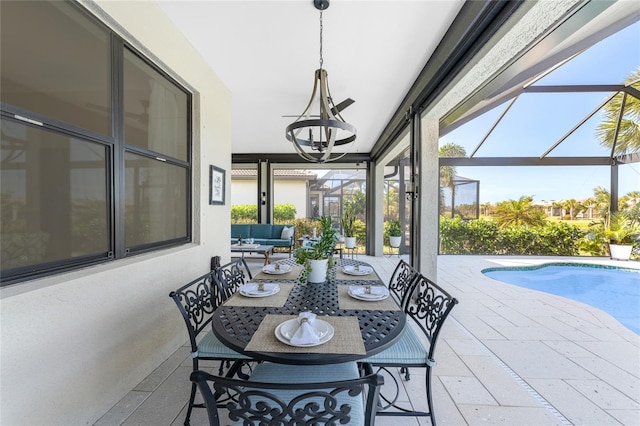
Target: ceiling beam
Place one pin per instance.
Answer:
(525, 161)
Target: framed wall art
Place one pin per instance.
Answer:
(216, 185)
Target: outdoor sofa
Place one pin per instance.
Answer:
(265, 234)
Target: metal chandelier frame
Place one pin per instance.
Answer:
(329, 122)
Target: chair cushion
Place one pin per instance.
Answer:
(211, 347)
(409, 349)
(283, 373)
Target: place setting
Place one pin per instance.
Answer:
(276, 268)
(280, 271)
(308, 333)
(368, 292)
(304, 331)
(261, 293)
(365, 297)
(260, 289)
(360, 272)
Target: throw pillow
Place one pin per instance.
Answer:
(287, 233)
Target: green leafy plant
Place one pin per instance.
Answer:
(394, 229)
(620, 229)
(322, 249)
(349, 224)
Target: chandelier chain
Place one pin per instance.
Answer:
(321, 61)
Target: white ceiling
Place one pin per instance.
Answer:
(266, 53)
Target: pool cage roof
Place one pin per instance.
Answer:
(554, 119)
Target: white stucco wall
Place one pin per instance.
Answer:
(244, 191)
(292, 192)
(74, 344)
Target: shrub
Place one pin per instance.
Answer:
(468, 237)
(244, 213)
(361, 231)
(483, 236)
(284, 213)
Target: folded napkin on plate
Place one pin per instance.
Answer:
(272, 268)
(362, 269)
(252, 288)
(305, 334)
(376, 290)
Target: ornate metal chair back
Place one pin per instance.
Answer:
(231, 276)
(429, 305)
(401, 280)
(196, 301)
(250, 402)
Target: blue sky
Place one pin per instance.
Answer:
(537, 121)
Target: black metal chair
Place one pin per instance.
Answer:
(196, 301)
(291, 394)
(231, 276)
(428, 305)
(400, 281)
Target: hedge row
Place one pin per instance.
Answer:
(486, 237)
(248, 213)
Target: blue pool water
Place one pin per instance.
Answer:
(614, 290)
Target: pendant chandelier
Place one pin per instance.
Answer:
(315, 138)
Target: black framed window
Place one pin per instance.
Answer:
(95, 149)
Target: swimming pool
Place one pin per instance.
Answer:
(614, 290)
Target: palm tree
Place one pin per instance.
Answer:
(602, 200)
(557, 205)
(485, 208)
(448, 173)
(571, 205)
(629, 134)
(590, 204)
(519, 212)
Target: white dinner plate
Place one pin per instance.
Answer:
(271, 269)
(351, 270)
(286, 330)
(359, 292)
(251, 290)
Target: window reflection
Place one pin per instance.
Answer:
(54, 197)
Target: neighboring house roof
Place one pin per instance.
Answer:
(280, 174)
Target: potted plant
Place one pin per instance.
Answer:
(395, 233)
(316, 258)
(622, 233)
(349, 228)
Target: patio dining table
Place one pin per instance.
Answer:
(361, 328)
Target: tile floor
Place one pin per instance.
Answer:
(506, 356)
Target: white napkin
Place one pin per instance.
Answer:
(362, 270)
(376, 291)
(305, 334)
(252, 288)
(272, 268)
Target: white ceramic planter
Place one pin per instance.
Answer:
(350, 242)
(395, 241)
(318, 272)
(620, 252)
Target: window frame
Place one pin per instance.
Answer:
(116, 149)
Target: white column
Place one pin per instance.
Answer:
(429, 189)
(378, 222)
